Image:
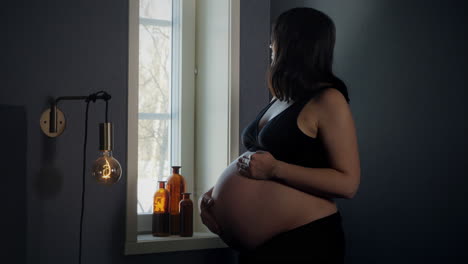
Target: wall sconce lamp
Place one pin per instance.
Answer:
(106, 169)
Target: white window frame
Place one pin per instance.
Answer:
(209, 117)
(182, 120)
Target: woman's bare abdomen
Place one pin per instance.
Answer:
(250, 212)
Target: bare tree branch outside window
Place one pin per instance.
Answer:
(154, 98)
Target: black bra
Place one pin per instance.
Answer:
(283, 139)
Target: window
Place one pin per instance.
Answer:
(154, 97)
(170, 110)
(159, 105)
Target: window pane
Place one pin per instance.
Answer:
(156, 9)
(153, 159)
(154, 98)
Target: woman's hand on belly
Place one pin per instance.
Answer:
(206, 214)
(257, 165)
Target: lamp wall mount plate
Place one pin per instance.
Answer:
(45, 123)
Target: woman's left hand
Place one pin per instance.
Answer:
(257, 165)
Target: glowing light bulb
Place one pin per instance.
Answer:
(106, 169)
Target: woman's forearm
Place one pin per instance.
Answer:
(326, 182)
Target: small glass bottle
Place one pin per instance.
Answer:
(186, 216)
(161, 211)
(175, 186)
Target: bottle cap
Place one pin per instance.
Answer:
(162, 184)
(175, 169)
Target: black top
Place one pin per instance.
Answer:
(284, 140)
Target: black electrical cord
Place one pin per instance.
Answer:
(83, 181)
(104, 96)
(107, 110)
(90, 98)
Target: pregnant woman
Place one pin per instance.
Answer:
(275, 202)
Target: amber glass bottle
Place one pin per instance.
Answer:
(161, 201)
(175, 186)
(186, 216)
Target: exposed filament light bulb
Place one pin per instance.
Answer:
(106, 169)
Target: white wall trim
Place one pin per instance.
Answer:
(132, 121)
(234, 90)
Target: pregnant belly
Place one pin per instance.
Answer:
(250, 212)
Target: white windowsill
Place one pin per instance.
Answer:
(147, 244)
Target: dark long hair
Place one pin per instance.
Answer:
(303, 40)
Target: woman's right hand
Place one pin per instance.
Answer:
(206, 203)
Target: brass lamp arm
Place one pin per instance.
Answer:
(49, 117)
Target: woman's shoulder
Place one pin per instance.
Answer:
(330, 95)
(327, 100)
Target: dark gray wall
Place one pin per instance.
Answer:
(254, 59)
(54, 48)
(406, 65)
